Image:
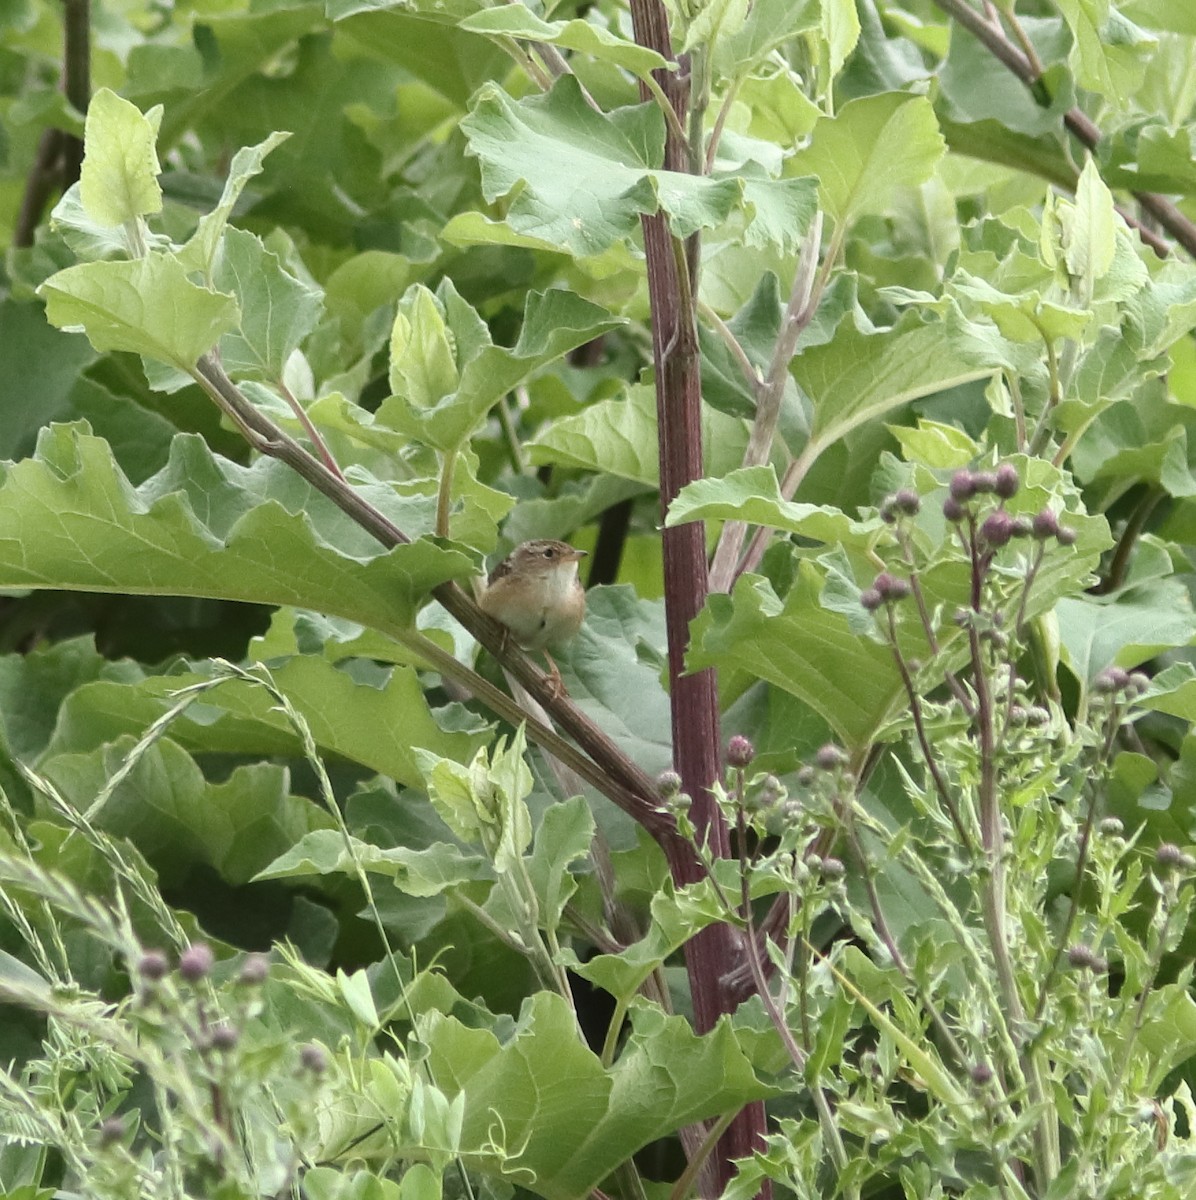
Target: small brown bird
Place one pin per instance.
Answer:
(536, 594)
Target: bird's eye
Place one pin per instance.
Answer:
(549, 552)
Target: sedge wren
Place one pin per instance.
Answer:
(536, 594)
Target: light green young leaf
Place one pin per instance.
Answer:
(200, 250)
(754, 495)
(767, 25)
(933, 444)
(119, 178)
(840, 31)
(277, 310)
(565, 835)
(426, 872)
(870, 148)
(554, 322)
(146, 306)
(1110, 50)
(1090, 239)
(423, 368)
(580, 179)
(518, 21)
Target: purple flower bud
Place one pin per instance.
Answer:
(740, 751)
(153, 966)
(953, 510)
(1169, 855)
(871, 599)
(829, 757)
(668, 784)
(982, 1074)
(1045, 525)
(907, 501)
(1110, 680)
(224, 1037)
(984, 481)
(1111, 827)
(254, 970)
(832, 868)
(1008, 481)
(196, 961)
(963, 486)
(112, 1129)
(313, 1058)
(891, 587)
(1066, 536)
(997, 528)
(1139, 683)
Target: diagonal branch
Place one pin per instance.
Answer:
(602, 764)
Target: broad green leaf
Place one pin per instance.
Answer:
(565, 835)
(620, 437)
(179, 820)
(518, 21)
(754, 495)
(871, 147)
(206, 527)
(200, 249)
(277, 310)
(565, 1120)
(580, 180)
(146, 306)
(378, 723)
(426, 872)
(1126, 629)
(859, 377)
(936, 445)
(119, 179)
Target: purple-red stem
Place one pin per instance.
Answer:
(695, 714)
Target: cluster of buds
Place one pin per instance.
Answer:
(1116, 681)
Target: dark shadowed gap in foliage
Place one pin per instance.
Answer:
(146, 628)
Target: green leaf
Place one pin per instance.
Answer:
(206, 527)
(446, 345)
(119, 178)
(200, 250)
(515, 20)
(146, 306)
(426, 872)
(565, 835)
(178, 819)
(580, 180)
(859, 376)
(378, 723)
(277, 310)
(1110, 51)
(565, 1121)
(754, 495)
(1091, 238)
(1126, 629)
(873, 146)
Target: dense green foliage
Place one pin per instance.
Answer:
(347, 300)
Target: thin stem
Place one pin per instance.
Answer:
(697, 1160)
(444, 491)
(511, 435)
(915, 703)
(803, 302)
(313, 434)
